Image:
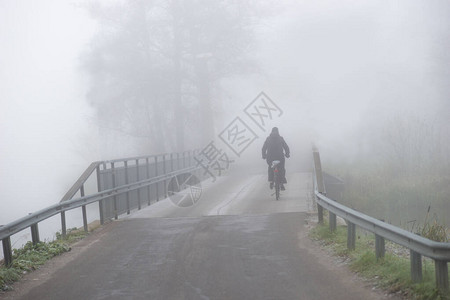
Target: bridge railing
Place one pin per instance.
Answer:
(418, 245)
(122, 184)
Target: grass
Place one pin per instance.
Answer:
(392, 273)
(433, 230)
(30, 257)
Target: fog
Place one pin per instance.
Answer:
(96, 80)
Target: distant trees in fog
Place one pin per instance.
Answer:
(407, 144)
(154, 66)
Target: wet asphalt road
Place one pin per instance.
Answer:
(236, 243)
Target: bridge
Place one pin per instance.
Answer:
(226, 238)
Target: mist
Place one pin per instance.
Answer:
(43, 114)
(85, 81)
(352, 64)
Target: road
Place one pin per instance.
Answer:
(237, 242)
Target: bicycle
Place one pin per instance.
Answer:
(276, 178)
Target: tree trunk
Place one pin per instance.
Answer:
(177, 80)
(204, 92)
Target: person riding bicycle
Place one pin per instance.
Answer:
(273, 150)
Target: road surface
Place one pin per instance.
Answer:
(237, 242)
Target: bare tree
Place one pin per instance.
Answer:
(154, 65)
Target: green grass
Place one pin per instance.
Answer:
(392, 273)
(30, 257)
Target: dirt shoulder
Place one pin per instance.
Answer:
(339, 265)
(45, 272)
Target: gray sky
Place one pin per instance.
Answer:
(43, 111)
(343, 63)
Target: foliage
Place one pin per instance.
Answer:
(154, 65)
(401, 176)
(401, 200)
(73, 235)
(400, 169)
(29, 258)
(433, 230)
(392, 273)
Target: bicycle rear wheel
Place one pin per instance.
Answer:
(276, 180)
(277, 188)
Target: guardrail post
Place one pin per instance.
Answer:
(35, 234)
(138, 179)
(100, 203)
(320, 213)
(441, 270)
(164, 172)
(113, 173)
(83, 209)
(7, 251)
(148, 177)
(332, 221)
(416, 266)
(320, 186)
(156, 175)
(380, 249)
(63, 224)
(351, 235)
(126, 182)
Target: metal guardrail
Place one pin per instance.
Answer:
(28, 221)
(79, 183)
(67, 203)
(418, 245)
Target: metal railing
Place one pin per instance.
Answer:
(116, 182)
(418, 245)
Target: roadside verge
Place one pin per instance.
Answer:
(391, 273)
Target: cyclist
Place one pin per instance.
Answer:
(275, 148)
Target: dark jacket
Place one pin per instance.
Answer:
(273, 147)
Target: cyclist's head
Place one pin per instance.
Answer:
(275, 131)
